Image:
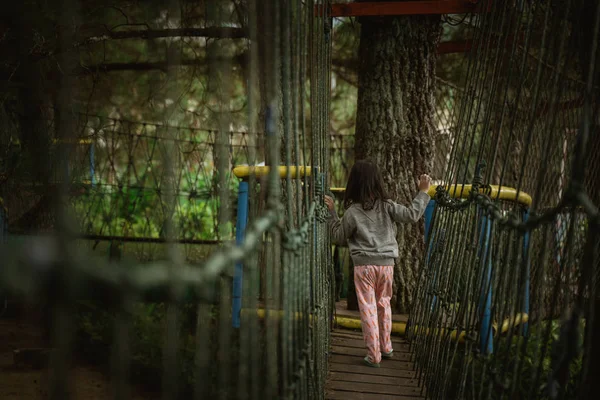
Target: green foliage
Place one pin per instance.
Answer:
(96, 331)
(141, 211)
(344, 84)
(521, 360)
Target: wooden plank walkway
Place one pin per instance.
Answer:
(350, 379)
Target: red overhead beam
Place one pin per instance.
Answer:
(383, 8)
(456, 46)
(464, 46)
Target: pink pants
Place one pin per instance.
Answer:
(374, 291)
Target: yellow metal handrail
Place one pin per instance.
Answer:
(463, 191)
(245, 171)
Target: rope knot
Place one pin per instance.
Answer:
(292, 242)
(322, 213)
(319, 190)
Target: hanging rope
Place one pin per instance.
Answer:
(279, 347)
(505, 301)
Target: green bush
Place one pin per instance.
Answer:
(539, 354)
(96, 330)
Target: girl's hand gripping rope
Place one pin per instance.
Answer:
(330, 203)
(424, 183)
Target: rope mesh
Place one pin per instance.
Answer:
(506, 297)
(133, 227)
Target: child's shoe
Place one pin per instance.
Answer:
(370, 363)
(387, 356)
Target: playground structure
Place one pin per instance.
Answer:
(505, 300)
(155, 194)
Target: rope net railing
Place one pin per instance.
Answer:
(115, 168)
(506, 301)
(244, 320)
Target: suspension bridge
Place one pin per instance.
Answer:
(235, 249)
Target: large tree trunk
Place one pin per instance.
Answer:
(394, 122)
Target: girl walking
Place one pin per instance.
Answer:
(369, 228)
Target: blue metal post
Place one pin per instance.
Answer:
(92, 165)
(486, 336)
(527, 273)
(240, 231)
(428, 221)
(428, 218)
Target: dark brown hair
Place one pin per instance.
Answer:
(365, 185)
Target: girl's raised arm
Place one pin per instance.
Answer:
(400, 213)
(341, 229)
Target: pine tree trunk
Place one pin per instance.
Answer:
(394, 122)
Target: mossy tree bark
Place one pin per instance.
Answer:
(394, 122)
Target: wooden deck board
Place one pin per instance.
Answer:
(358, 352)
(374, 388)
(348, 334)
(378, 379)
(350, 379)
(343, 395)
(360, 344)
(357, 360)
(365, 370)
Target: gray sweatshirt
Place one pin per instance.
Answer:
(371, 235)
